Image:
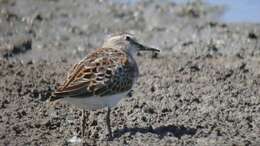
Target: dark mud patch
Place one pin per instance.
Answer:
(21, 45)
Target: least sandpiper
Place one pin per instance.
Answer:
(104, 76)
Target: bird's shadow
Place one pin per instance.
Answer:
(169, 130)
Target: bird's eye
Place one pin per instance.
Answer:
(128, 38)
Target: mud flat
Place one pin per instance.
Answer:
(203, 89)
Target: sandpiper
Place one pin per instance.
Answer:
(104, 76)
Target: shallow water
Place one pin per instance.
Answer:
(240, 11)
(236, 10)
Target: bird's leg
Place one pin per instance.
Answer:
(108, 123)
(83, 123)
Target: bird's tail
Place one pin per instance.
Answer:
(73, 91)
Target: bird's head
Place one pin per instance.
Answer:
(126, 42)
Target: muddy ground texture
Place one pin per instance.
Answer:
(203, 89)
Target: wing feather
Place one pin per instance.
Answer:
(103, 72)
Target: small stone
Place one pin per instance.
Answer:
(252, 35)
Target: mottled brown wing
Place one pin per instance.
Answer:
(104, 72)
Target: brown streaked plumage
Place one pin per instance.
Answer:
(104, 76)
(106, 71)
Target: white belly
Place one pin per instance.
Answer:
(96, 102)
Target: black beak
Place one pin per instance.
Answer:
(145, 48)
